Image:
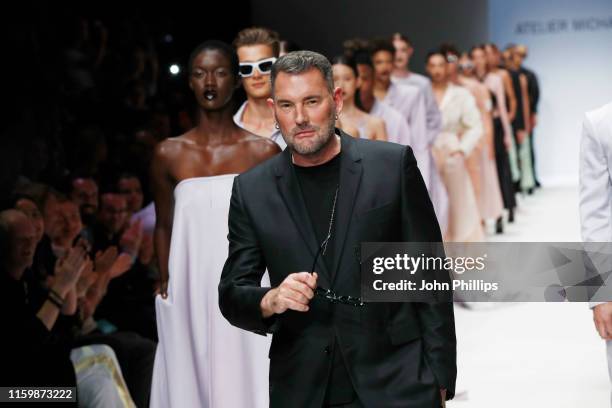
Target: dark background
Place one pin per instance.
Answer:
(41, 121)
(322, 25)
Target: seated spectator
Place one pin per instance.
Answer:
(129, 303)
(84, 192)
(33, 356)
(129, 185)
(135, 353)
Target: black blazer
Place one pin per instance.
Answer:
(397, 354)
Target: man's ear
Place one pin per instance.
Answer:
(338, 100)
(270, 102)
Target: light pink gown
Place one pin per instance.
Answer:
(461, 129)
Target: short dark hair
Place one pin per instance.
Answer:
(433, 53)
(492, 45)
(258, 36)
(362, 57)
(381, 44)
(298, 62)
(52, 193)
(449, 48)
(345, 60)
(353, 45)
(215, 45)
(480, 47)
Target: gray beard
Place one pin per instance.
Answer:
(319, 144)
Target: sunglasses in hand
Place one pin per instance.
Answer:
(329, 294)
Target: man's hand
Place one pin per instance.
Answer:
(122, 264)
(87, 278)
(132, 238)
(294, 293)
(602, 315)
(68, 270)
(105, 259)
(443, 396)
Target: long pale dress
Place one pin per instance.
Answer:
(203, 361)
(462, 130)
(481, 163)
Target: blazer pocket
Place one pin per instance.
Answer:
(404, 332)
(382, 212)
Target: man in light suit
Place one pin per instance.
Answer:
(330, 188)
(596, 201)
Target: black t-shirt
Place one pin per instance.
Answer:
(319, 185)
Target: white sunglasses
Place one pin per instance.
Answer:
(247, 69)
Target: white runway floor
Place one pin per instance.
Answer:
(527, 355)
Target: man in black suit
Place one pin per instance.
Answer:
(314, 204)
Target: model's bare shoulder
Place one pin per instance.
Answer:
(172, 147)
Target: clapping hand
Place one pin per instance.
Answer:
(132, 238)
(87, 278)
(68, 269)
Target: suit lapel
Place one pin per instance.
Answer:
(291, 193)
(350, 177)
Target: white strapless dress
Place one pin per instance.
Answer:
(202, 361)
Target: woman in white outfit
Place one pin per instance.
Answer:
(201, 360)
(461, 133)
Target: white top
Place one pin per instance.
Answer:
(276, 136)
(460, 116)
(596, 186)
(434, 118)
(595, 175)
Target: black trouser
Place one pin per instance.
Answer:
(535, 176)
(504, 173)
